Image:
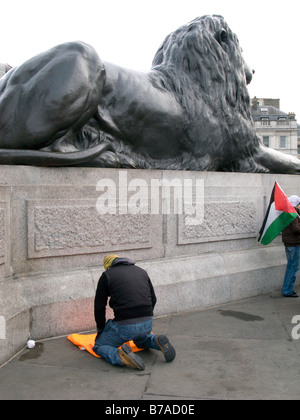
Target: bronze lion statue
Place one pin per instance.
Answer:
(191, 111)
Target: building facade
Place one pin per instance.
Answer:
(276, 129)
(4, 68)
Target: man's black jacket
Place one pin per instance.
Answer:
(291, 234)
(130, 290)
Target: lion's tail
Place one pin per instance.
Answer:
(44, 158)
(277, 162)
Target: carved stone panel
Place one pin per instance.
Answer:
(4, 222)
(70, 227)
(223, 220)
(2, 235)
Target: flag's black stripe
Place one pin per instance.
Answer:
(267, 213)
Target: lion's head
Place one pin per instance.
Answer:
(203, 63)
(205, 53)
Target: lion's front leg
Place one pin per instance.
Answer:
(50, 96)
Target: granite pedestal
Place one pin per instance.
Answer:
(56, 225)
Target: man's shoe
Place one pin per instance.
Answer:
(293, 295)
(166, 347)
(129, 358)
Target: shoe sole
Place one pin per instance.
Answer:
(166, 348)
(131, 358)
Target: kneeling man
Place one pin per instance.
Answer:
(132, 299)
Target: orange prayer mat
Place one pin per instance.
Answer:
(87, 342)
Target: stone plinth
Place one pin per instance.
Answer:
(56, 224)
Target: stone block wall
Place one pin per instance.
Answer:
(54, 235)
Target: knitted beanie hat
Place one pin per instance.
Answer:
(108, 260)
(294, 200)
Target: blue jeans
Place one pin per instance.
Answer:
(292, 256)
(115, 335)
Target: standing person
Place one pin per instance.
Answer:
(291, 240)
(132, 299)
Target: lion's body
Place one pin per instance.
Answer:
(135, 111)
(190, 111)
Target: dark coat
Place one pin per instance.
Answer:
(130, 290)
(291, 234)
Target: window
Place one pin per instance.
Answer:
(265, 121)
(282, 121)
(282, 142)
(266, 141)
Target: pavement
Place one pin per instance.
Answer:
(244, 350)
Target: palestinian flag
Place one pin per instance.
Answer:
(279, 215)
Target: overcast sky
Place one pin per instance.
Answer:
(129, 32)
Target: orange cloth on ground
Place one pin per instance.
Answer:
(87, 341)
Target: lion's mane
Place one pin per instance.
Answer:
(202, 61)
